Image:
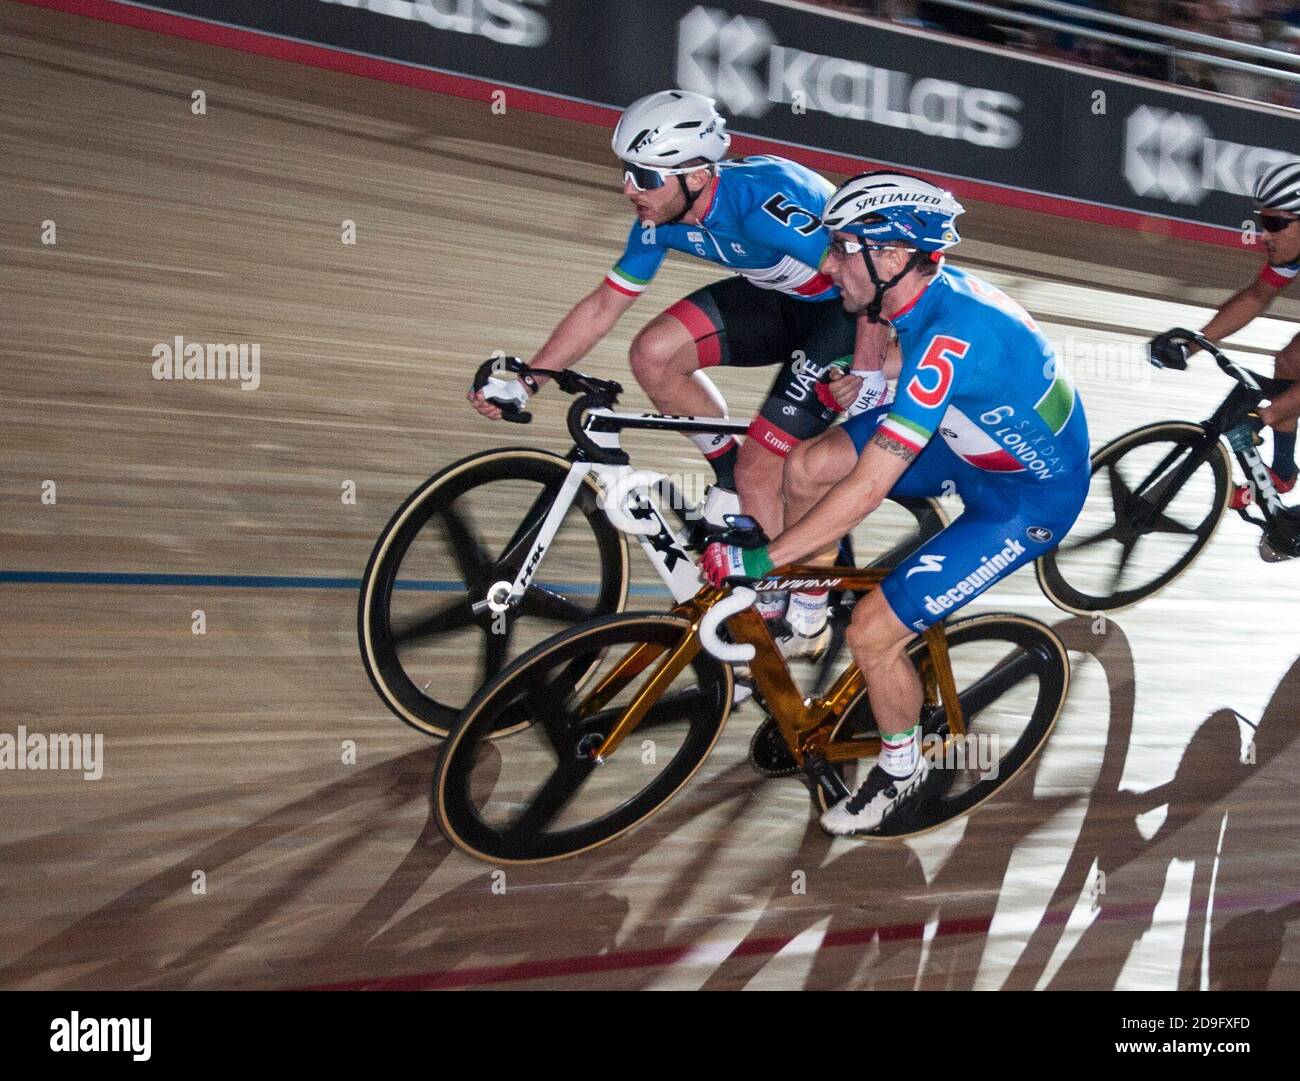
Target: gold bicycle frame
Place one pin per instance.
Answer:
(805, 723)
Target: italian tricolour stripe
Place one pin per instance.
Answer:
(625, 283)
(1279, 276)
(1057, 402)
(905, 431)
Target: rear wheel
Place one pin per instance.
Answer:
(1156, 497)
(425, 647)
(1012, 676)
(517, 781)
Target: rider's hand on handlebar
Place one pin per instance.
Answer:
(723, 561)
(1170, 350)
(501, 390)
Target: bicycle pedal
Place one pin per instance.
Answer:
(768, 753)
(824, 776)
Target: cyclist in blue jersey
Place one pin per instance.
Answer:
(1277, 204)
(982, 408)
(759, 218)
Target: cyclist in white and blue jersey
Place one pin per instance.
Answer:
(758, 217)
(982, 408)
(1277, 205)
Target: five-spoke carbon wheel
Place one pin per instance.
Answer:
(1012, 676)
(429, 639)
(518, 781)
(1157, 495)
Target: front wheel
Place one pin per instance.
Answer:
(1012, 676)
(427, 638)
(1156, 497)
(518, 781)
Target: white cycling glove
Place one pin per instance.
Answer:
(505, 390)
(874, 391)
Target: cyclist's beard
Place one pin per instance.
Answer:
(676, 210)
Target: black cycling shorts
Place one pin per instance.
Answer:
(736, 323)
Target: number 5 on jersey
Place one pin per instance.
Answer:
(936, 370)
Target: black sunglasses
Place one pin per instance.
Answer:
(1274, 223)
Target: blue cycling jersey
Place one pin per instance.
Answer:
(979, 372)
(764, 223)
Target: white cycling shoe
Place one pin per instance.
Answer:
(878, 797)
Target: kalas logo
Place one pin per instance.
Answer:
(1173, 156)
(737, 60)
(508, 22)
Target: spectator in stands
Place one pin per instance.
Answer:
(1272, 23)
(904, 12)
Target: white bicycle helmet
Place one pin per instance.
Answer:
(1279, 187)
(664, 130)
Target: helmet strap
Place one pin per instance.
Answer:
(872, 310)
(689, 196)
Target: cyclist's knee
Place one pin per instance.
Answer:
(661, 350)
(802, 478)
(1288, 361)
(875, 635)
(816, 464)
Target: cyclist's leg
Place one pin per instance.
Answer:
(1006, 524)
(1282, 412)
(816, 465)
(709, 327)
(817, 335)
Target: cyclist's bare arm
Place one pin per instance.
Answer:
(581, 330)
(847, 503)
(1238, 310)
(574, 336)
(874, 348)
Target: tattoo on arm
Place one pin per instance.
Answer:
(887, 442)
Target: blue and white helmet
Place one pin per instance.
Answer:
(885, 205)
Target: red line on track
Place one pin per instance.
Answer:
(656, 958)
(770, 946)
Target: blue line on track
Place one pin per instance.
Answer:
(263, 581)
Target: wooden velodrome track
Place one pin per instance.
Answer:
(223, 751)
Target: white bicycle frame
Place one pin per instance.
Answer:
(627, 503)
